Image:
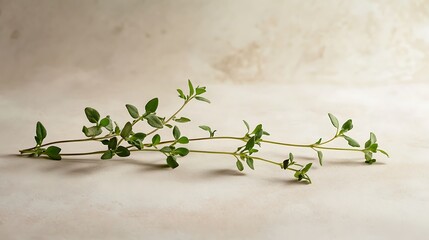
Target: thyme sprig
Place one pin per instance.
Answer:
(122, 141)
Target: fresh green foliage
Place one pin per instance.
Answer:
(41, 133)
(92, 131)
(183, 140)
(202, 99)
(151, 106)
(320, 156)
(122, 151)
(239, 165)
(92, 115)
(107, 155)
(334, 120)
(181, 151)
(126, 131)
(156, 139)
(208, 129)
(172, 162)
(249, 162)
(302, 173)
(121, 142)
(53, 152)
(182, 120)
(351, 141)
(107, 123)
(154, 121)
(133, 111)
(347, 126)
(191, 88)
(176, 133)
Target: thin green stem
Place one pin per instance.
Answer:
(173, 115)
(68, 141)
(288, 144)
(132, 124)
(328, 141)
(158, 150)
(201, 139)
(312, 146)
(82, 153)
(340, 149)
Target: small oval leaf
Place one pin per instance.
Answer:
(92, 115)
(133, 111)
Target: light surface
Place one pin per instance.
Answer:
(284, 64)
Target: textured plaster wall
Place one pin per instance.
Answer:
(284, 64)
(79, 43)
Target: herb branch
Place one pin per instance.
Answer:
(246, 153)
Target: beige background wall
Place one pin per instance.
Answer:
(285, 64)
(92, 42)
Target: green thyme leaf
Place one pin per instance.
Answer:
(122, 151)
(247, 126)
(171, 162)
(182, 120)
(181, 151)
(200, 90)
(91, 131)
(41, 133)
(306, 168)
(351, 141)
(126, 131)
(368, 143)
(140, 136)
(372, 138)
(370, 161)
(320, 156)
(152, 106)
(53, 152)
(166, 149)
(347, 126)
(239, 165)
(249, 162)
(206, 128)
(250, 143)
(183, 140)
(181, 94)
(113, 143)
(285, 164)
(154, 121)
(368, 156)
(107, 155)
(156, 139)
(107, 123)
(117, 129)
(258, 131)
(373, 148)
(384, 152)
(176, 132)
(191, 88)
(133, 111)
(202, 99)
(334, 120)
(92, 115)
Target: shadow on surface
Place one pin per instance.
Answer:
(79, 166)
(351, 162)
(223, 173)
(289, 180)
